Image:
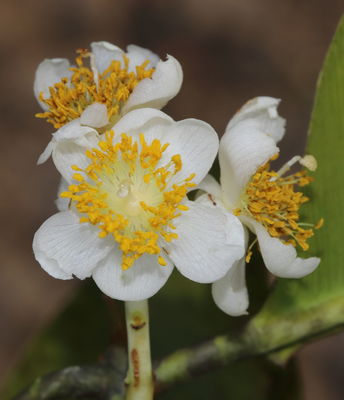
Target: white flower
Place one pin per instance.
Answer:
(129, 219)
(263, 200)
(99, 94)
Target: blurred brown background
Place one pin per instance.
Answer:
(230, 51)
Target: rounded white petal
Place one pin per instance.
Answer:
(70, 144)
(156, 91)
(62, 203)
(209, 242)
(211, 186)
(48, 73)
(139, 282)
(140, 120)
(138, 55)
(63, 244)
(194, 140)
(279, 258)
(105, 53)
(243, 149)
(230, 293)
(95, 116)
(263, 110)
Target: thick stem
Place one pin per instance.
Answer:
(139, 379)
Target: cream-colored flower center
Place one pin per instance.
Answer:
(70, 97)
(271, 200)
(128, 194)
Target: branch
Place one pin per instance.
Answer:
(105, 382)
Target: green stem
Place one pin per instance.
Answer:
(139, 379)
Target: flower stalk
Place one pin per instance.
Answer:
(139, 379)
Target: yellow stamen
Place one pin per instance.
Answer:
(248, 256)
(271, 200)
(127, 196)
(319, 224)
(70, 97)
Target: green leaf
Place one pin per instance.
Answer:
(316, 303)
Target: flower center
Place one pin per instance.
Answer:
(128, 194)
(271, 199)
(70, 97)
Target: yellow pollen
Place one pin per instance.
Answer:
(70, 97)
(129, 195)
(271, 200)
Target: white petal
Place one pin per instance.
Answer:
(73, 131)
(211, 186)
(139, 282)
(140, 120)
(230, 293)
(62, 203)
(194, 140)
(48, 73)
(156, 91)
(95, 116)
(264, 111)
(104, 53)
(209, 242)
(63, 243)
(243, 149)
(280, 259)
(138, 55)
(71, 142)
(46, 153)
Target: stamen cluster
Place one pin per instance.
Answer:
(271, 199)
(70, 97)
(127, 195)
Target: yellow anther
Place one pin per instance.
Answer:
(70, 97)
(78, 177)
(248, 256)
(319, 224)
(162, 261)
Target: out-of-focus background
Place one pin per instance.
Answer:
(230, 51)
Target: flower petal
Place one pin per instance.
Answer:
(139, 282)
(194, 140)
(46, 152)
(279, 258)
(211, 186)
(104, 53)
(62, 243)
(230, 293)
(138, 55)
(243, 149)
(95, 116)
(209, 242)
(140, 120)
(70, 144)
(156, 91)
(48, 73)
(264, 111)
